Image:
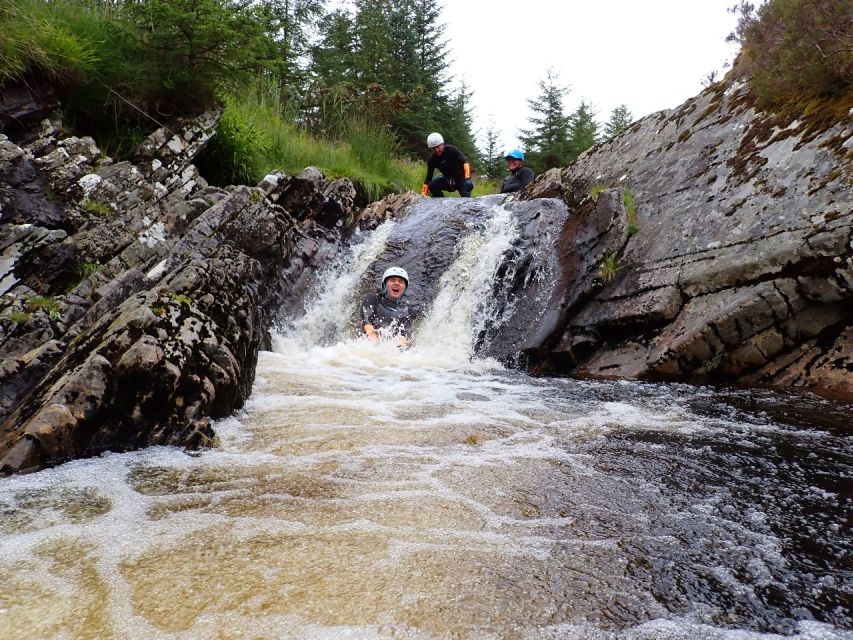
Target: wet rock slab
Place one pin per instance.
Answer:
(135, 295)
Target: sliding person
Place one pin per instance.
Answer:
(385, 315)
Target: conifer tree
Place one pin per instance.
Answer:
(392, 55)
(583, 131)
(620, 118)
(548, 137)
(333, 57)
(288, 22)
(493, 155)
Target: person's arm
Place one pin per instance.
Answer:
(510, 184)
(464, 162)
(430, 172)
(368, 308)
(525, 177)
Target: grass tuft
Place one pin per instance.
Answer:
(597, 190)
(609, 268)
(630, 211)
(99, 209)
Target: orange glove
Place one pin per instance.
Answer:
(370, 332)
(425, 190)
(467, 169)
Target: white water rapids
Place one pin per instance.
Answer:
(366, 492)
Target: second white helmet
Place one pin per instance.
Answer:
(400, 272)
(434, 139)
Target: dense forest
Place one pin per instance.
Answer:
(353, 90)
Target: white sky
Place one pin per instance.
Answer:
(649, 54)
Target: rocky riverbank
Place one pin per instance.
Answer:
(136, 296)
(730, 260)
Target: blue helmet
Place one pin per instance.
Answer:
(515, 154)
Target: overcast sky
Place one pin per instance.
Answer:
(647, 54)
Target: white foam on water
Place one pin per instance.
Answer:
(331, 310)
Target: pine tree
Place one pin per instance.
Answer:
(457, 122)
(392, 58)
(583, 131)
(493, 155)
(287, 22)
(548, 137)
(620, 118)
(333, 57)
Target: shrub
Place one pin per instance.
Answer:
(796, 49)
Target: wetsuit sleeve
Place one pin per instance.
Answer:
(525, 176)
(510, 184)
(430, 169)
(368, 310)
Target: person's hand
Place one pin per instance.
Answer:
(371, 333)
(403, 341)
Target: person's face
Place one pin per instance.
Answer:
(513, 163)
(438, 150)
(395, 287)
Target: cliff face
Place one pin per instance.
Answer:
(135, 297)
(734, 262)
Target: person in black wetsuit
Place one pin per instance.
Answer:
(454, 166)
(386, 314)
(519, 175)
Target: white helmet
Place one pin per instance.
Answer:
(434, 139)
(395, 271)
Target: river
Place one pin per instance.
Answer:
(365, 492)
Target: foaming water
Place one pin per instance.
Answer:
(461, 308)
(367, 492)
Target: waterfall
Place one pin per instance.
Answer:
(329, 314)
(469, 263)
(462, 307)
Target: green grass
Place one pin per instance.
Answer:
(596, 191)
(49, 305)
(19, 317)
(99, 209)
(609, 268)
(257, 135)
(48, 37)
(630, 211)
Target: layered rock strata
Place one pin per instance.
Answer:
(136, 296)
(734, 258)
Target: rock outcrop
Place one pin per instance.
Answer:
(135, 296)
(730, 259)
